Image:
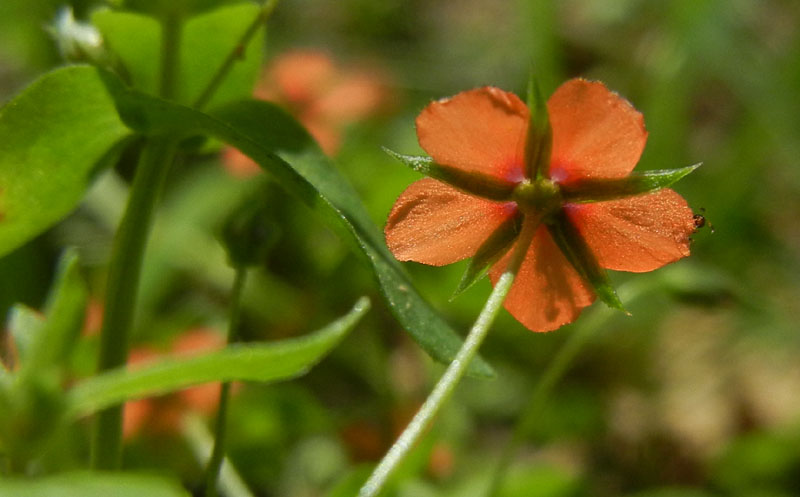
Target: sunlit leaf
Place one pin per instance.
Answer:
(84, 484)
(284, 149)
(262, 362)
(51, 137)
(206, 40)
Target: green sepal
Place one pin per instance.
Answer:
(490, 252)
(599, 190)
(580, 255)
(481, 185)
(539, 139)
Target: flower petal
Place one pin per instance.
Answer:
(638, 233)
(298, 76)
(433, 223)
(596, 133)
(547, 292)
(479, 130)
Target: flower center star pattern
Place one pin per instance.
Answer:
(565, 169)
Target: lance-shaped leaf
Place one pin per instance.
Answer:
(490, 252)
(580, 255)
(263, 362)
(598, 190)
(52, 340)
(52, 136)
(275, 141)
(478, 184)
(539, 138)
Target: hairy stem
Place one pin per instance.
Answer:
(455, 371)
(218, 453)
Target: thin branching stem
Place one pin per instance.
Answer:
(455, 371)
(235, 54)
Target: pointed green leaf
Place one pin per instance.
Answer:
(539, 139)
(598, 190)
(490, 252)
(269, 136)
(478, 184)
(52, 136)
(578, 253)
(206, 40)
(64, 314)
(85, 484)
(262, 362)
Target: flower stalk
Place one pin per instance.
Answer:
(455, 371)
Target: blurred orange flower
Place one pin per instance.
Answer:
(163, 414)
(480, 137)
(322, 96)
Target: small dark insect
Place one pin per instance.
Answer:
(700, 221)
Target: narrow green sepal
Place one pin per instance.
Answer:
(539, 139)
(490, 252)
(598, 190)
(578, 253)
(481, 185)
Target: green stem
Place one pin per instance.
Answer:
(235, 55)
(122, 286)
(218, 453)
(455, 371)
(552, 375)
(127, 253)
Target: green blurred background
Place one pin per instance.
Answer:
(696, 394)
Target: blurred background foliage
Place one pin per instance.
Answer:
(696, 394)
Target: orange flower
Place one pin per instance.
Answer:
(163, 414)
(322, 97)
(570, 167)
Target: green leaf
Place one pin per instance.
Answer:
(136, 41)
(161, 8)
(51, 137)
(490, 252)
(598, 190)
(206, 40)
(478, 184)
(265, 362)
(85, 484)
(284, 149)
(64, 314)
(24, 324)
(578, 253)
